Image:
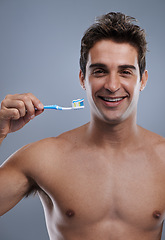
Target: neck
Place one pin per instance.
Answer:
(115, 135)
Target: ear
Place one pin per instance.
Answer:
(144, 80)
(82, 79)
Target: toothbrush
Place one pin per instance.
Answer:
(76, 104)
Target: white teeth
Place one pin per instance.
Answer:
(112, 99)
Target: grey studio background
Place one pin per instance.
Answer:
(39, 53)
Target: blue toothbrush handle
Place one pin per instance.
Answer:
(53, 107)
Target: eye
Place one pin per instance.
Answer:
(98, 72)
(126, 73)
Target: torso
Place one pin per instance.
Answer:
(89, 193)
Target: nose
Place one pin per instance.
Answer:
(112, 83)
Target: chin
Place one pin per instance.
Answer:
(114, 119)
(115, 116)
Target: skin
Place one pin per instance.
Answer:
(103, 180)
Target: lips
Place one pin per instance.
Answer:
(112, 101)
(109, 99)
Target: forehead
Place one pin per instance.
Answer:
(110, 52)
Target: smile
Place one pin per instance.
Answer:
(112, 102)
(109, 99)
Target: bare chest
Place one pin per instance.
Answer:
(89, 191)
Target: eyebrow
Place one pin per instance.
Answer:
(97, 65)
(126, 66)
(102, 65)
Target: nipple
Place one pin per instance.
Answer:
(70, 213)
(156, 214)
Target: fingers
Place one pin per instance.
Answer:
(11, 113)
(15, 107)
(16, 111)
(21, 105)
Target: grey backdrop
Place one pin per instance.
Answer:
(39, 53)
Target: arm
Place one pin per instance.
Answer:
(16, 111)
(13, 185)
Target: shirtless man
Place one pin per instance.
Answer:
(106, 179)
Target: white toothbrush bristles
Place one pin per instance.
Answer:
(78, 104)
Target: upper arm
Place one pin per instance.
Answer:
(26, 171)
(14, 184)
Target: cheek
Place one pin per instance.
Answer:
(89, 89)
(135, 93)
(137, 88)
(92, 86)
(132, 87)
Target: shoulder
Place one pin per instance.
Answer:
(29, 155)
(152, 137)
(37, 154)
(154, 142)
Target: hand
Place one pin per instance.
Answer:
(16, 111)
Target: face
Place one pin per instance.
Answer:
(112, 81)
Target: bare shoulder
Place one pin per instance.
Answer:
(152, 137)
(154, 142)
(35, 164)
(39, 154)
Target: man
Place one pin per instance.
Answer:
(105, 179)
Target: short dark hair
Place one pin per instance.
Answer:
(119, 28)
